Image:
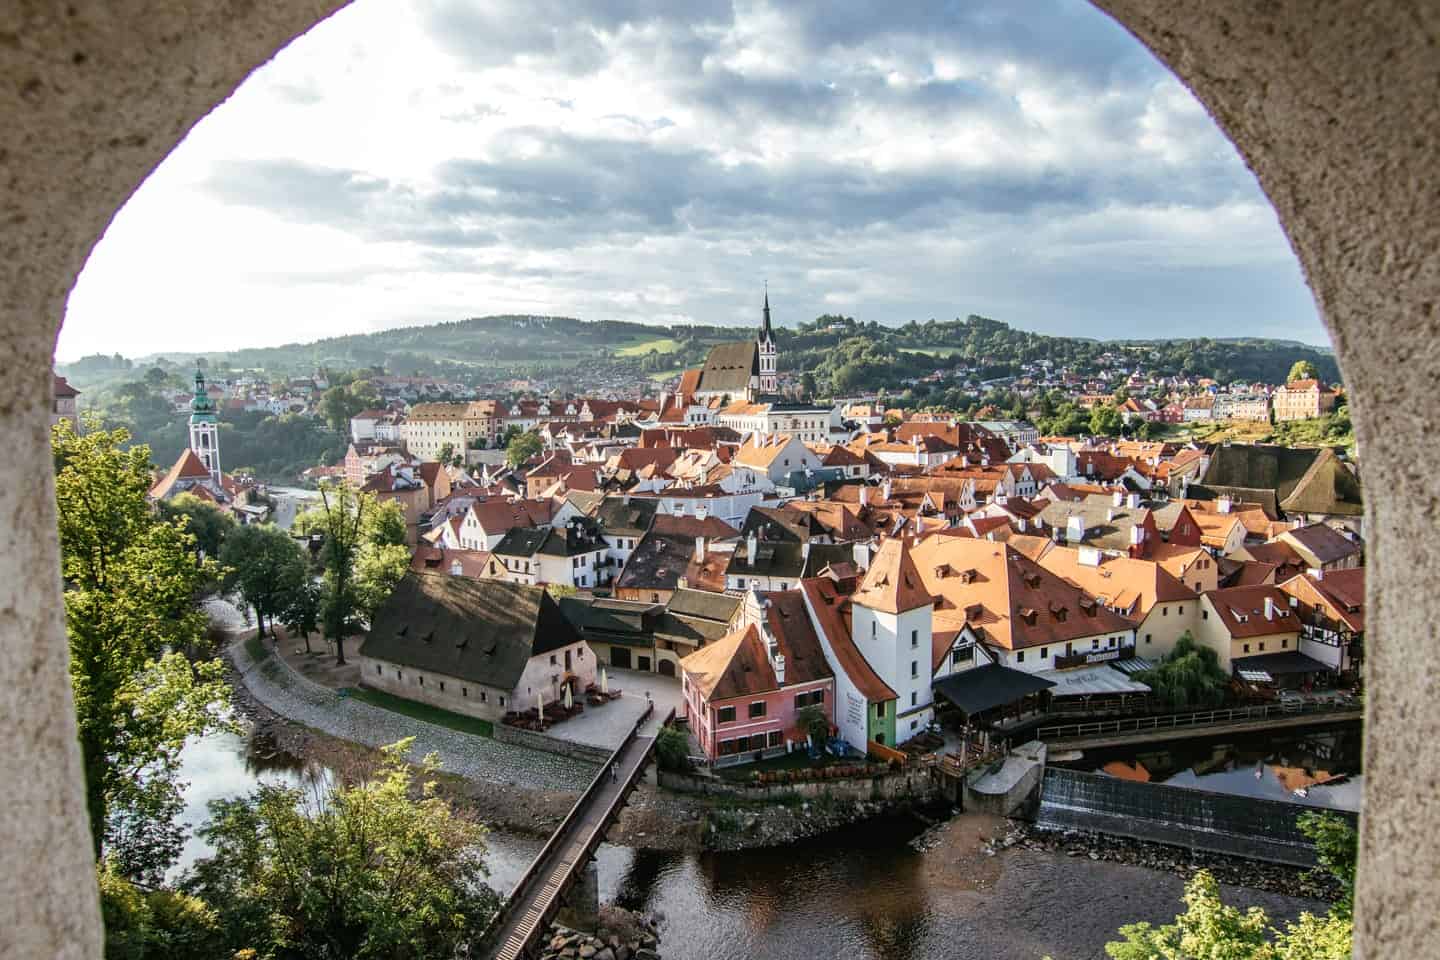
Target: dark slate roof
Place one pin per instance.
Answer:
(785, 559)
(729, 368)
(580, 535)
(1258, 467)
(1328, 487)
(703, 604)
(522, 541)
(1278, 664)
(778, 523)
(658, 561)
(632, 519)
(992, 685)
(691, 630)
(613, 621)
(478, 630)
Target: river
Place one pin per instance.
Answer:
(1323, 764)
(858, 893)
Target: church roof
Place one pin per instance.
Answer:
(892, 584)
(187, 467)
(729, 368)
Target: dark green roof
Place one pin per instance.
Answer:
(632, 519)
(1258, 467)
(703, 604)
(729, 367)
(478, 630)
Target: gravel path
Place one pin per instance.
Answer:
(276, 685)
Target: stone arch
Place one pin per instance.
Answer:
(1335, 105)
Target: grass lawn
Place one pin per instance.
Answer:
(422, 711)
(933, 351)
(666, 375)
(659, 345)
(256, 648)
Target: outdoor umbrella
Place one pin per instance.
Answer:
(604, 681)
(568, 702)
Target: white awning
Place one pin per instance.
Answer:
(1090, 681)
(1256, 676)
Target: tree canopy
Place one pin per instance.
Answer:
(267, 567)
(522, 447)
(131, 579)
(1302, 370)
(378, 868)
(1188, 676)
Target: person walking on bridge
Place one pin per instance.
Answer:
(615, 772)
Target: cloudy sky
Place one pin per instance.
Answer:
(409, 163)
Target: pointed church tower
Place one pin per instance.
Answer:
(205, 430)
(765, 341)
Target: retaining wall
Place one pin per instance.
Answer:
(542, 741)
(911, 783)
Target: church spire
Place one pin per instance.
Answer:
(765, 332)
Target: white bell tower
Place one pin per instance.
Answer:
(205, 430)
(765, 342)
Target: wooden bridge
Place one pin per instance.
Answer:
(517, 929)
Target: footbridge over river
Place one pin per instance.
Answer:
(540, 893)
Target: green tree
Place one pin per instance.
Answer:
(1212, 930)
(375, 869)
(672, 749)
(343, 518)
(522, 447)
(378, 567)
(1105, 420)
(1337, 847)
(447, 452)
(303, 608)
(1188, 676)
(385, 524)
(130, 582)
(155, 924)
(1302, 370)
(813, 721)
(266, 566)
(208, 524)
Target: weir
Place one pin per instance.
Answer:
(1217, 822)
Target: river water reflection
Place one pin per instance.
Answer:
(862, 893)
(1322, 764)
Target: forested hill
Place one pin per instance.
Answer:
(841, 353)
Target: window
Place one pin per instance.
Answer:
(464, 691)
(740, 583)
(484, 697)
(1262, 646)
(725, 715)
(1112, 641)
(872, 629)
(962, 655)
(442, 686)
(1147, 638)
(757, 709)
(1247, 648)
(502, 701)
(811, 699)
(552, 659)
(912, 698)
(727, 748)
(914, 639)
(1204, 614)
(1182, 609)
(422, 681)
(1094, 643)
(1164, 611)
(914, 668)
(379, 670)
(1044, 653)
(880, 739)
(914, 724)
(880, 711)
(399, 675)
(1284, 644)
(1020, 657)
(773, 738)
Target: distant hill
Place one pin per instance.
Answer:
(841, 353)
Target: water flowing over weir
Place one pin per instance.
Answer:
(1217, 822)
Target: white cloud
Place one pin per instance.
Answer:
(613, 160)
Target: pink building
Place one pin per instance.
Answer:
(744, 691)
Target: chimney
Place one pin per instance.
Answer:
(678, 509)
(1223, 505)
(1109, 514)
(1075, 529)
(779, 665)
(752, 547)
(1137, 535)
(1317, 573)
(701, 511)
(861, 553)
(864, 494)
(805, 550)
(1269, 608)
(699, 549)
(1089, 557)
(1118, 498)
(885, 490)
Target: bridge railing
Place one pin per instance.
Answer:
(1067, 731)
(527, 879)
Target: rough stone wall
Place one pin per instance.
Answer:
(94, 95)
(535, 740)
(884, 787)
(1335, 105)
